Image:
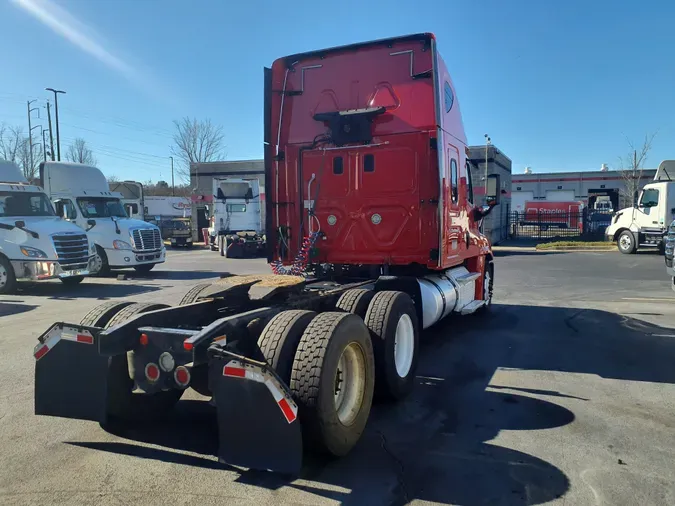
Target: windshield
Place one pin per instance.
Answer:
(180, 225)
(25, 204)
(101, 207)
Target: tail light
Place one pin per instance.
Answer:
(152, 372)
(181, 376)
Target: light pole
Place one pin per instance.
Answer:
(173, 186)
(487, 145)
(56, 109)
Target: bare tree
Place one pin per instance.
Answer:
(196, 141)
(11, 139)
(79, 152)
(29, 164)
(631, 168)
(113, 179)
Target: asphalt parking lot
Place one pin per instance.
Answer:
(563, 394)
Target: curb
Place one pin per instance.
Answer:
(574, 248)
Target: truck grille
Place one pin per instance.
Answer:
(72, 251)
(146, 239)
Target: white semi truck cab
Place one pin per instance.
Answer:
(81, 195)
(646, 223)
(35, 244)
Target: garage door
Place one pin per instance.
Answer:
(518, 200)
(559, 195)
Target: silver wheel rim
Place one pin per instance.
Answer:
(404, 346)
(4, 276)
(625, 241)
(98, 263)
(487, 296)
(350, 383)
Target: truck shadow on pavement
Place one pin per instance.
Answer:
(99, 291)
(15, 307)
(435, 445)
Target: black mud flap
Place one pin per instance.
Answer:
(258, 424)
(70, 375)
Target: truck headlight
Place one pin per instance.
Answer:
(33, 252)
(121, 244)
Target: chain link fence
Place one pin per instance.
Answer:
(543, 224)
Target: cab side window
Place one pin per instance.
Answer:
(69, 211)
(453, 180)
(650, 198)
(469, 183)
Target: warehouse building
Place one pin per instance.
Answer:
(496, 224)
(567, 186)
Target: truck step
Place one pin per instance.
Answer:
(472, 307)
(467, 278)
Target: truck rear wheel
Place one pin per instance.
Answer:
(192, 294)
(392, 321)
(355, 301)
(101, 314)
(333, 381)
(626, 242)
(7, 276)
(279, 340)
(123, 403)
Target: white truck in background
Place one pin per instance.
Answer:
(35, 244)
(236, 224)
(133, 197)
(646, 223)
(81, 195)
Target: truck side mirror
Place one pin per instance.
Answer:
(58, 207)
(492, 193)
(635, 198)
(91, 223)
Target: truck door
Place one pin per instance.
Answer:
(455, 241)
(650, 213)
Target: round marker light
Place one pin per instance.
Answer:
(166, 362)
(332, 220)
(181, 376)
(376, 219)
(152, 372)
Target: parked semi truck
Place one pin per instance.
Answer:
(35, 244)
(645, 224)
(372, 237)
(81, 195)
(236, 226)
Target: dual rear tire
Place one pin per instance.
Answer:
(336, 362)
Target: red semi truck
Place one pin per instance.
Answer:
(372, 235)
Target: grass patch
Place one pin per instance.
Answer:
(581, 245)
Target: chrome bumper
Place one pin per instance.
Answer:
(48, 269)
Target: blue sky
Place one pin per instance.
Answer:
(557, 85)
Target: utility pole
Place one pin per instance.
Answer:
(173, 186)
(56, 108)
(51, 135)
(44, 145)
(30, 134)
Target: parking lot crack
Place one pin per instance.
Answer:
(402, 496)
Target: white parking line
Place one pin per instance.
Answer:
(649, 299)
